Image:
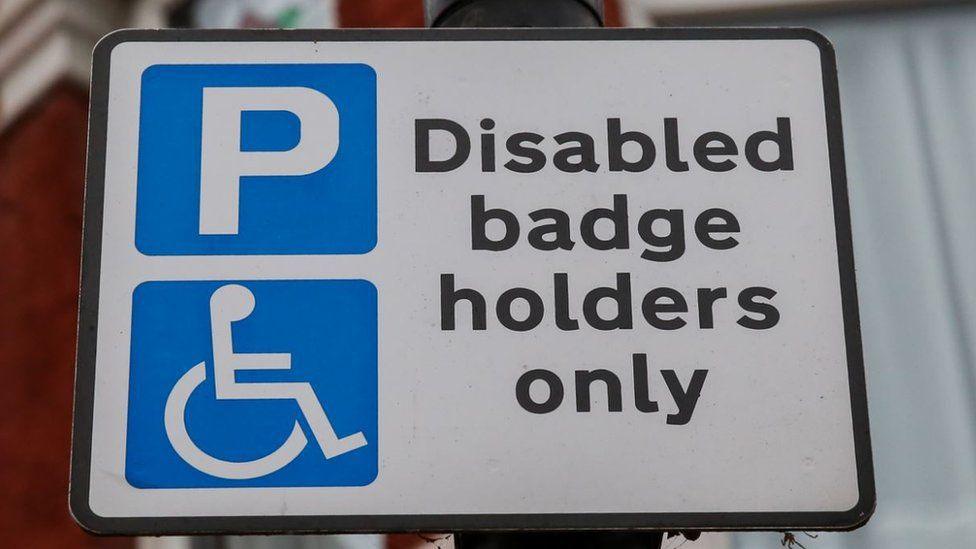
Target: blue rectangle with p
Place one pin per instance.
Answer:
(328, 210)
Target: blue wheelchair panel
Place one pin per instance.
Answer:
(328, 327)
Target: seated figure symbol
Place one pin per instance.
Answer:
(228, 304)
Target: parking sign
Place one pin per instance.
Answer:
(477, 279)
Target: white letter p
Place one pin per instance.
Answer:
(222, 163)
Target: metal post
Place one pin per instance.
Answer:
(532, 13)
(514, 13)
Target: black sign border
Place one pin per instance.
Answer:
(88, 314)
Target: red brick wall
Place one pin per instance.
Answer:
(42, 162)
(381, 13)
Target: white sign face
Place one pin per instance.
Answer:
(417, 280)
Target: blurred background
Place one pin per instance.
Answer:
(908, 96)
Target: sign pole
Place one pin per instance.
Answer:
(513, 13)
(538, 13)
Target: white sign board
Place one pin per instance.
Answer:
(429, 280)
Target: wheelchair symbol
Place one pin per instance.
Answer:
(229, 304)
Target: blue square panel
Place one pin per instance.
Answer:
(266, 383)
(265, 159)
